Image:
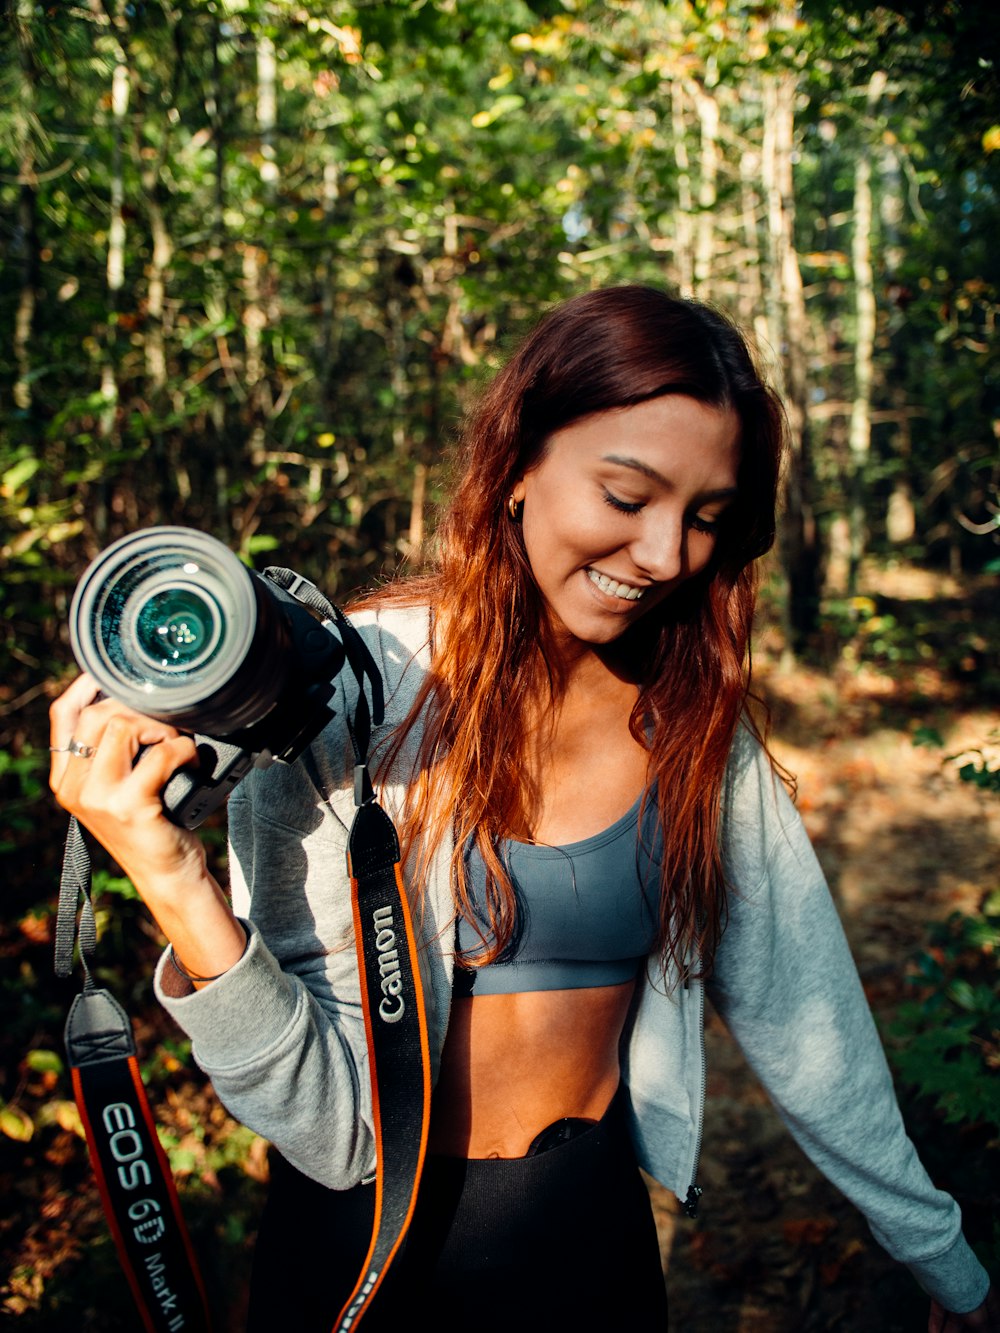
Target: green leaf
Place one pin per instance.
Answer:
(501, 107)
(19, 475)
(44, 1062)
(928, 737)
(16, 1124)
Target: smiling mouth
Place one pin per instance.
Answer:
(624, 591)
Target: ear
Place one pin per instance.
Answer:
(518, 491)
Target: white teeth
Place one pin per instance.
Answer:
(613, 589)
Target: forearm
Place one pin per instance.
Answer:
(205, 935)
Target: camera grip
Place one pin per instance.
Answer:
(190, 794)
(190, 797)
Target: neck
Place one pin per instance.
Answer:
(574, 666)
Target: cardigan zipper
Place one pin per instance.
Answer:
(690, 1204)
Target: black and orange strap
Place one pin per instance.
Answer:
(398, 1051)
(392, 1000)
(133, 1176)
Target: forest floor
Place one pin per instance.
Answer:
(775, 1248)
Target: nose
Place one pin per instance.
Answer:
(659, 549)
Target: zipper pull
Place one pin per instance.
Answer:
(690, 1204)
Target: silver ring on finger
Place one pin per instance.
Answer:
(75, 747)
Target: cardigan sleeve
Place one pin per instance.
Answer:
(786, 986)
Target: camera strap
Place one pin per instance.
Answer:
(133, 1176)
(391, 989)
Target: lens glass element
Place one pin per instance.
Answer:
(164, 620)
(178, 629)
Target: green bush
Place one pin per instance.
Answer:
(946, 1039)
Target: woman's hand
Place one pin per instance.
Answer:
(984, 1318)
(115, 797)
(96, 775)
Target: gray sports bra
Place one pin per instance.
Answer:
(587, 912)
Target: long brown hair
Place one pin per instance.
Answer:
(606, 349)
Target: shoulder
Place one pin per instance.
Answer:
(758, 816)
(396, 634)
(399, 640)
(751, 782)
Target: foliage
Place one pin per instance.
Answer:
(948, 1035)
(944, 1043)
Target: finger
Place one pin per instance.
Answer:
(160, 761)
(118, 738)
(88, 785)
(64, 716)
(115, 795)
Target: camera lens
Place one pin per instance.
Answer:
(178, 629)
(169, 622)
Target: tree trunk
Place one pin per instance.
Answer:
(704, 248)
(216, 296)
(860, 432)
(683, 233)
(750, 299)
(27, 228)
(267, 109)
(800, 545)
(114, 275)
(901, 517)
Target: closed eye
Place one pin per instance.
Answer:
(710, 526)
(622, 506)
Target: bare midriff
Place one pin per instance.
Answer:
(514, 1064)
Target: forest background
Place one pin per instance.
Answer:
(258, 255)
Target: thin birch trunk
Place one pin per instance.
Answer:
(684, 215)
(860, 430)
(27, 220)
(704, 246)
(267, 109)
(901, 517)
(216, 300)
(114, 275)
(751, 306)
(789, 327)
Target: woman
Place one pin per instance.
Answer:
(594, 838)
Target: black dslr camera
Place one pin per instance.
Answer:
(170, 623)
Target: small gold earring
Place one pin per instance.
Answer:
(514, 508)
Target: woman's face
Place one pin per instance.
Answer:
(623, 507)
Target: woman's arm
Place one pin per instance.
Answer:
(786, 985)
(984, 1318)
(285, 1048)
(116, 796)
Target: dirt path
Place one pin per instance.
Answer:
(902, 841)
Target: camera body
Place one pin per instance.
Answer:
(170, 623)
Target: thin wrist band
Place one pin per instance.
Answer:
(182, 971)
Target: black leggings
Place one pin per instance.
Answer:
(562, 1240)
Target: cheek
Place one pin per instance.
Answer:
(701, 548)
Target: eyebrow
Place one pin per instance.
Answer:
(723, 493)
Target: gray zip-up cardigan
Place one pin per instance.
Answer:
(281, 1035)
